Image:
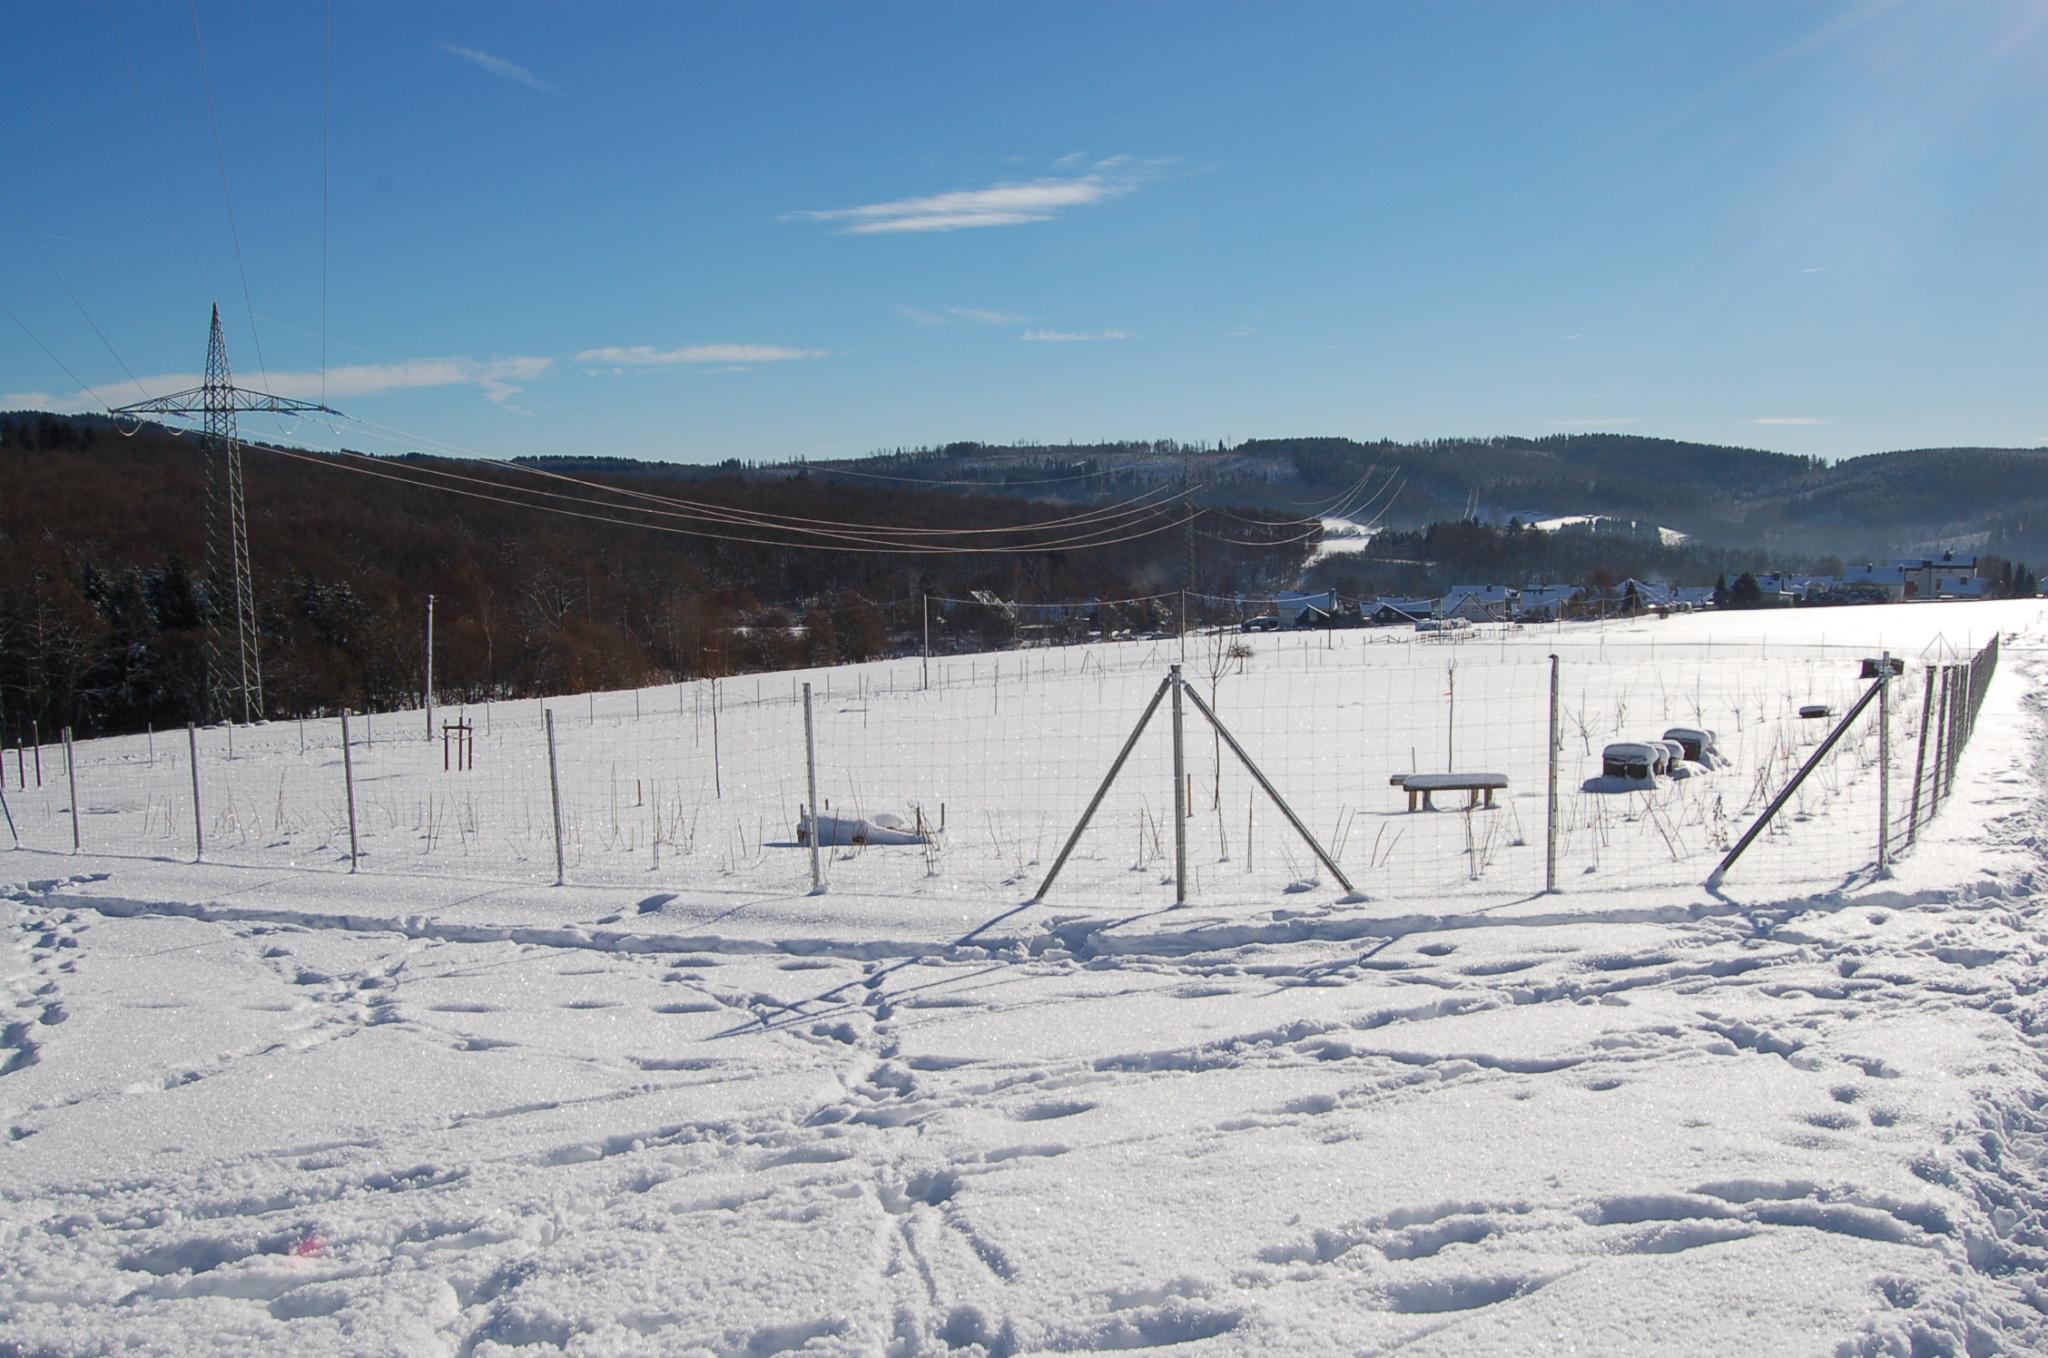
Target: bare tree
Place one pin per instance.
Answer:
(1222, 655)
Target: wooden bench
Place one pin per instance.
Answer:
(1420, 786)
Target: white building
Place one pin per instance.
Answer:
(1480, 603)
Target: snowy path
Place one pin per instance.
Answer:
(247, 1111)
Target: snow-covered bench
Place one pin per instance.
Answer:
(1419, 786)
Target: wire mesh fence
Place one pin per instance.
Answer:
(1422, 769)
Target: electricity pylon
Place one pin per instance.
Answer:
(237, 679)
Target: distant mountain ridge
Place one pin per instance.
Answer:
(1908, 500)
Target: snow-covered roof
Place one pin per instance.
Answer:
(1549, 596)
(1647, 591)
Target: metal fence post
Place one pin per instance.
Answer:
(717, 769)
(1180, 797)
(198, 823)
(16, 834)
(348, 781)
(555, 797)
(1959, 695)
(71, 780)
(1920, 762)
(1884, 764)
(1550, 802)
(1942, 708)
(811, 773)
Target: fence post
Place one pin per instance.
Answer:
(1920, 763)
(1451, 719)
(811, 774)
(71, 780)
(1940, 765)
(1180, 798)
(348, 782)
(1958, 699)
(555, 796)
(1884, 764)
(1550, 798)
(927, 661)
(198, 823)
(16, 834)
(717, 771)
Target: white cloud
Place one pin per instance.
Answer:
(1574, 335)
(1787, 419)
(1591, 422)
(983, 317)
(499, 67)
(1013, 204)
(647, 356)
(26, 400)
(497, 378)
(953, 314)
(1818, 268)
(1073, 336)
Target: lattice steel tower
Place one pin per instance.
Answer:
(234, 665)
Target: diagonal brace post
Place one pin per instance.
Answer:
(1272, 792)
(1778, 802)
(1095, 802)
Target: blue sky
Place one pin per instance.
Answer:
(766, 230)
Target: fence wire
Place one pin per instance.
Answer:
(960, 778)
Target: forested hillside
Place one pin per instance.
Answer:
(574, 572)
(1993, 499)
(103, 592)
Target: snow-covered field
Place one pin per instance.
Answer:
(682, 1105)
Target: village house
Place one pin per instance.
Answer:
(1398, 612)
(1480, 603)
(1546, 603)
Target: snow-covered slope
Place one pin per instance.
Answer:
(265, 1109)
(1670, 537)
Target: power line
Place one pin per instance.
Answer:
(58, 274)
(866, 547)
(52, 356)
(326, 136)
(220, 157)
(156, 163)
(968, 481)
(1126, 509)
